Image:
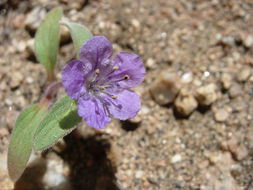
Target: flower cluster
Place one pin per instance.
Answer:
(101, 85)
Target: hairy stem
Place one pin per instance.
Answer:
(50, 92)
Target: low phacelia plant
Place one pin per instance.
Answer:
(98, 87)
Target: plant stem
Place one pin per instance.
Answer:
(50, 92)
(50, 76)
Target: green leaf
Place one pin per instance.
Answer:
(20, 146)
(60, 121)
(79, 33)
(47, 41)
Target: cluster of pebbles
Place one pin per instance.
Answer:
(194, 130)
(187, 95)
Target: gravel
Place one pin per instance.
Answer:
(207, 44)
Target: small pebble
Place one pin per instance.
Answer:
(29, 80)
(65, 35)
(185, 103)
(54, 176)
(151, 63)
(241, 152)
(203, 164)
(227, 40)
(16, 79)
(251, 79)
(236, 170)
(3, 132)
(165, 88)
(139, 174)
(248, 42)
(30, 47)
(135, 23)
(226, 80)
(187, 77)
(34, 18)
(244, 74)
(221, 115)
(176, 158)
(238, 150)
(8, 102)
(235, 90)
(206, 95)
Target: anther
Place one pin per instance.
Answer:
(101, 87)
(114, 97)
(115, 67)
(126, 77)
(97, 71)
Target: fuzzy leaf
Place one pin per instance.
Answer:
(20, 146)
(47, 41)
(79, 34)
(60, 121)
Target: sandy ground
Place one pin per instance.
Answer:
(194, 130)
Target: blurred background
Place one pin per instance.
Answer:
(194, 130)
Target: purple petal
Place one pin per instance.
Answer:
(93, 113)
(129, 64)
(97, 50)
(73, 76)
(126, 105)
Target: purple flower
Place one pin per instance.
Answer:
(102, 85)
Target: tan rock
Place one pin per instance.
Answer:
(187, 77)
(165, 88)
(206, 95)
(221, 115)
(34, 18)
(238, 150)
(226, 80)
(185, 103)
(243, 74)
(235, 90)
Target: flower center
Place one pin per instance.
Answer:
(100, 82)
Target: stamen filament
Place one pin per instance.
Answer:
(126, 77)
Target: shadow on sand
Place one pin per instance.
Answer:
(90, 167)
